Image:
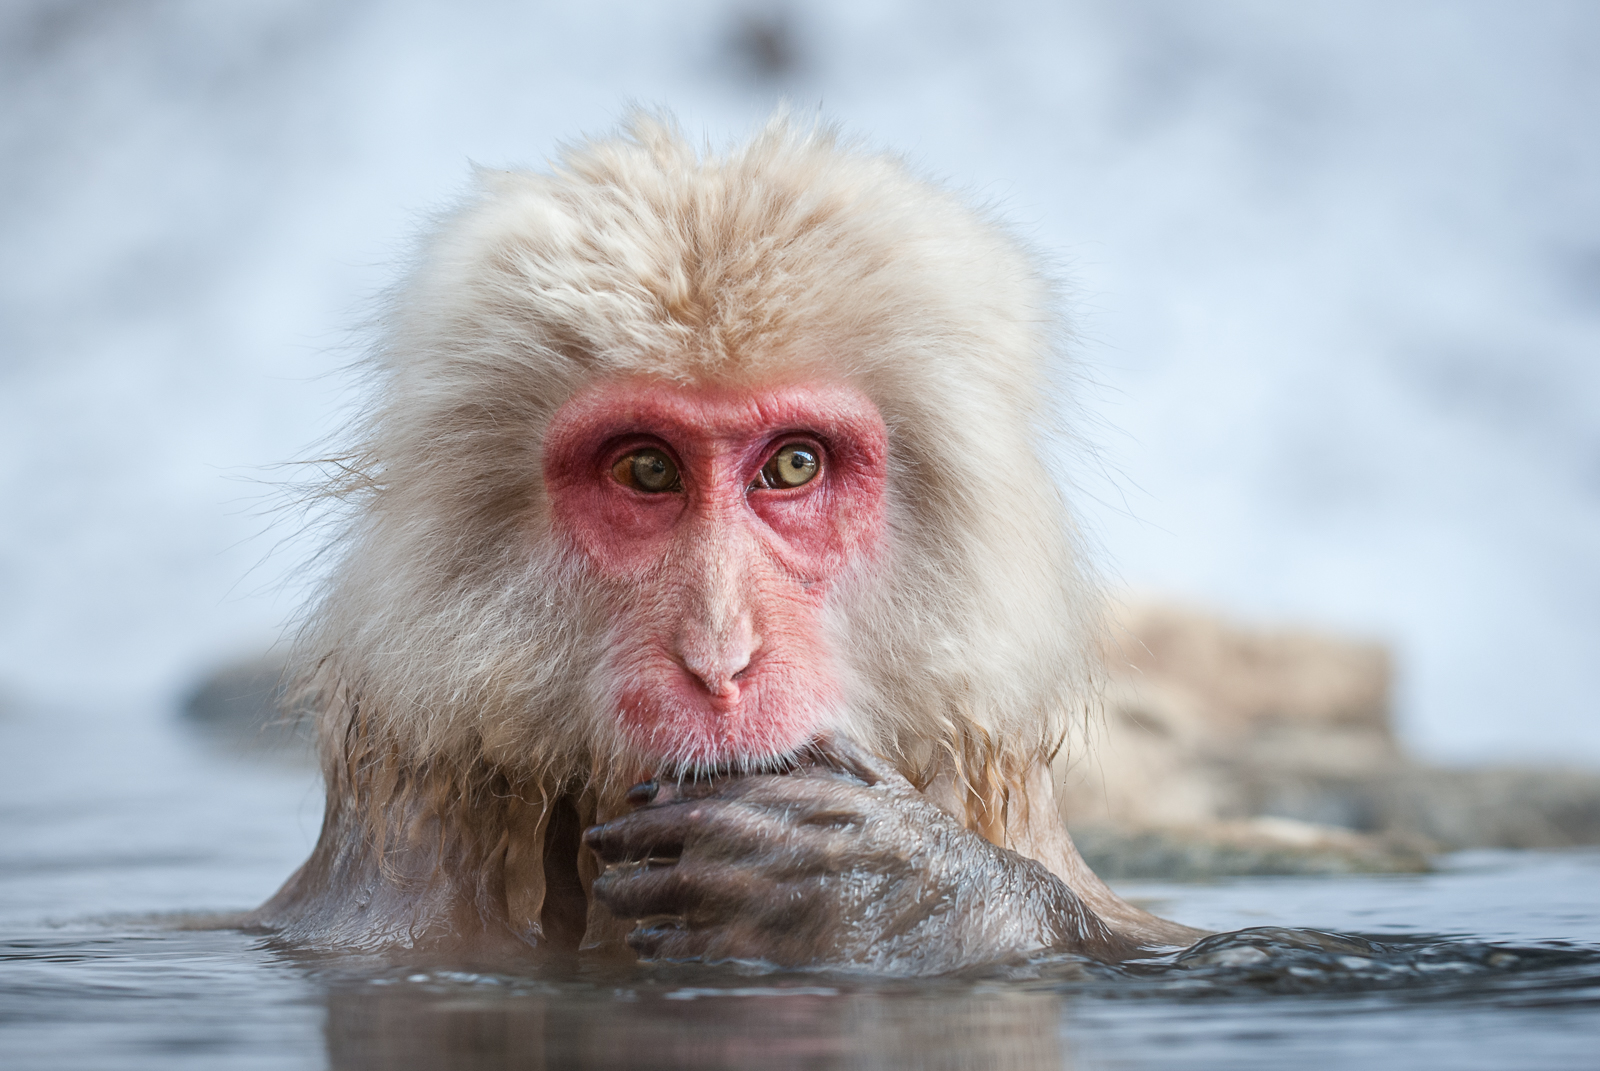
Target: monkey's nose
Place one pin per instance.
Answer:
(718, 661)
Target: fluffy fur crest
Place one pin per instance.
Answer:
(453, 634)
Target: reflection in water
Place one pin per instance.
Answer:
(478, 1023)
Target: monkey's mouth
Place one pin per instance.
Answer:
(701, 774)
(825, 750)
(761, 729)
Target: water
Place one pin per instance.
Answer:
(108, 826)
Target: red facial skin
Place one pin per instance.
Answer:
(716, 647)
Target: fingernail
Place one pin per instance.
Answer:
(642, 793)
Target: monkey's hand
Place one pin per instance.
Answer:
(836, 865)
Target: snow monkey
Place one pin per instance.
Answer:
(707, 590)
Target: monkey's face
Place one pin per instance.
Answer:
(719, 519)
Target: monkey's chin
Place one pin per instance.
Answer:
(688, 734)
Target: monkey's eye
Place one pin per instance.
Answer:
(647, 470)
(792, 466)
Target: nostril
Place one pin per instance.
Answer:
(717, 681)
(708, 671)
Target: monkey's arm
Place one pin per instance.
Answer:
(846, 866)
(473, 885)
(1038, 832)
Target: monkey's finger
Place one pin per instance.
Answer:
(782, 818)
(697, 892)
(667, 791)
(669, 940)
(666, 830)
(641, 835)
(783, 839)
(797, 800)
(664, 939)
(838, 753)
(823, 757)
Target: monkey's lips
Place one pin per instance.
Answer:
(766, 714)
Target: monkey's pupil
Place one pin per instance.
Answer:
(654, 471)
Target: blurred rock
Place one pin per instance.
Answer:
(1257, 846)
(1210, 728)
(1492, 808)
(241, 707)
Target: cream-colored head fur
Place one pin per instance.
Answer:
(452, 631)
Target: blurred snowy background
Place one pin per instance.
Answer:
(1337, 269)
